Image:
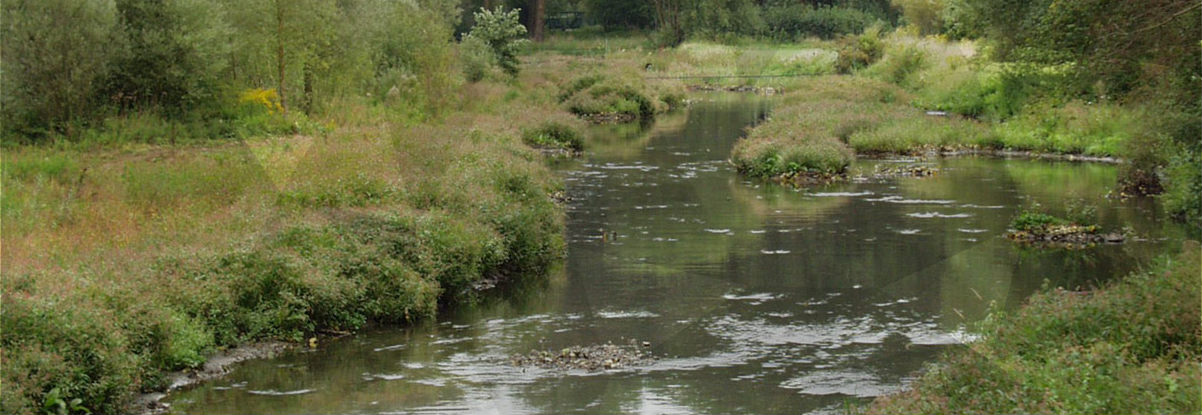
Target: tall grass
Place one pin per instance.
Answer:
(121, 263)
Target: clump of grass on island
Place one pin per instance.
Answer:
(1130, 347)
(1038, 228)
(610, 98)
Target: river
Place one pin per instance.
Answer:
(755, 298)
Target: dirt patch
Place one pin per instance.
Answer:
(591, 358)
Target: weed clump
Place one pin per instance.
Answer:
(554, 135)
(603, 99)
(1044, 230)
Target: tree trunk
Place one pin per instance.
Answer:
(279, 52)
(540, 17)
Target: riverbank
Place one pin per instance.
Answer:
(920, 95)
(124, 263)
(1129, 347)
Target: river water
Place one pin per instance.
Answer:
(755, 298)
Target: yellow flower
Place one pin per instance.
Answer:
(268, 98)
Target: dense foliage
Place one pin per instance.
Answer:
(191, 60)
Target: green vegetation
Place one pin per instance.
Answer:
(1130, 347)
(554, 135)
(182, 176)
(503, 34)
(1035, 221)
(126, 70)
(601, 98)
(182, 193)
(277, 240)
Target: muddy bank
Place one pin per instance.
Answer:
(217, 366)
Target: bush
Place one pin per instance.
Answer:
(796, 22)
(859, 51)
(900, 64)
(45, 91)
(68, 346)
(1140, 175)
(1034, 221)
(555, 135)
(1183, 195)
(927, 15)
(599, 98)
(477, 57)
(503, 33)
(176, 53)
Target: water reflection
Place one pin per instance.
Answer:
(756, 298)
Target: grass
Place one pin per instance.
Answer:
(823, 121)
(554, 135)
(1130, 347)
(605, 98)
(131, 258)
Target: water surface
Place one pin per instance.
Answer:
(756, 298)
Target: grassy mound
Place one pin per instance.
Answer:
(601, 99)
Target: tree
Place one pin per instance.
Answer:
(538, 22)
(176, 52)
(503, 32)
(55, 55)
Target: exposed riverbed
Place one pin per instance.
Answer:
(751, 297)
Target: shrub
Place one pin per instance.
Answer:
(176, 53)
(795, 22)
(1183, 195)
(43, 91)
(477, 57)
(626, 99)
(900, 64)
(1140, 175)
(927, 15)
(1034, 221)
(553, 134)
(503, 33)
(859, 51)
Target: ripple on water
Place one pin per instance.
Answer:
(626, 314)
(842, 194)
(858, 384)
(272, 392)
(753, 299)
(904, 201)
(927, 215)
